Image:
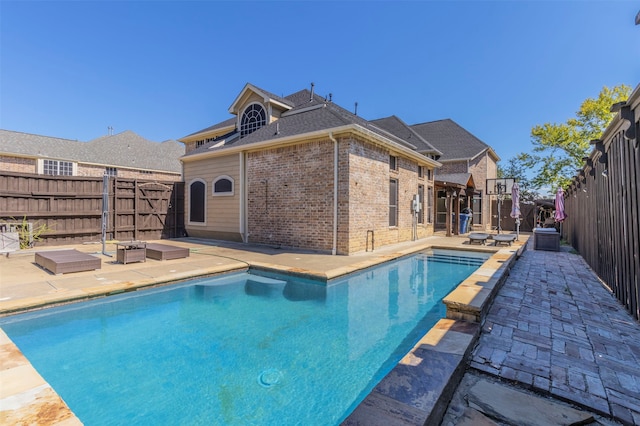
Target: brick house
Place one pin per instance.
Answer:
(300, 171)
(126, 155)
(467, 163)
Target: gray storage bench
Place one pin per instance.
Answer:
(546, 239)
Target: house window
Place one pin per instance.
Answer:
(197, 201)
(420, 171)
(393, 202)
(430, 204)
(111, 171)
(222, 186)
(393, 162)
(57, 168)
(477, 207)
(421, 198)
(253, 118)
(429, 174)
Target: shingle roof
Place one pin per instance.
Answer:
(222, 124)
(402, 130)
(451, 139)
(309, 114)
(461, 179)
(126, 149)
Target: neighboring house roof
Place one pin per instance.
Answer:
(402, 130)
(452, 140)
(126, 149)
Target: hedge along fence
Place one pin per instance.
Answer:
(603, 206)
(69, 209)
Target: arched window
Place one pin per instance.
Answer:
(253, 118)
(223, 185)
(197, 201)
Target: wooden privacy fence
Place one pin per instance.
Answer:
(69, 209)
(603, 202)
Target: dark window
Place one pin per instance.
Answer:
(196, 202)
(253, 118)
(421, 198)
(477, 207)
(222, 185)
(393, 202)
(393, 162)
(429, 205)
(111, 171)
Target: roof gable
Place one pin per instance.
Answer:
(455, 142)
(268, 98)
(403, 131)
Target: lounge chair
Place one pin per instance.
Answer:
(478, 238)
(166, 251)
(65, 261)
(503, 239)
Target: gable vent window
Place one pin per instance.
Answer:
(253, 118)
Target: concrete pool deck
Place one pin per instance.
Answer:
(25, 398)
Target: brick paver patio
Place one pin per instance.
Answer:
(556, 329)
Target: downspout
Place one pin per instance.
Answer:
(335, 194)
(244, 221)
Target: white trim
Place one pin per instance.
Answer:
(188, 204)
(243, 198)
(223, 194)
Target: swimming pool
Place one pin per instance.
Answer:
(238, 349)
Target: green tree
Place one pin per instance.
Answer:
(558, 149)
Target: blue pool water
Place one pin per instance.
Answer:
(239, 349)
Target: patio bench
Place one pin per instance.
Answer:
(65, 261)
(478, 238)
(166, 251)
(503, 239)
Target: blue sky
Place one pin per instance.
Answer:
(165, 69)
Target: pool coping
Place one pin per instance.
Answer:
(449, 342)
(403, 396)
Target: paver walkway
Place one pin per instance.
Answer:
(556, 329)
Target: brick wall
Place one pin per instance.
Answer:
(290, 196)
(17, 164)
(368, 196)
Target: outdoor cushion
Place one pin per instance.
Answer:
(65, 261)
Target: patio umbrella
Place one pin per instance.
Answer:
(560, 215)
(515, 207)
